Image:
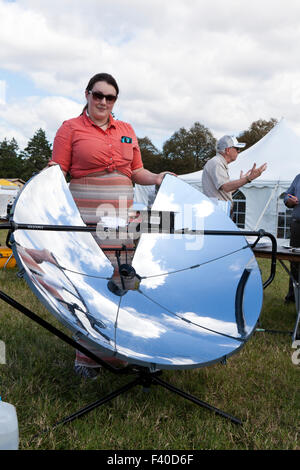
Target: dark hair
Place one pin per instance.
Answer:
(101, 77)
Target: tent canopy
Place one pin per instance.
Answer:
(280, 149)
(5, 184)
(8, 192)
(190, 177)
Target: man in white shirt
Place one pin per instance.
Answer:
(215, 178)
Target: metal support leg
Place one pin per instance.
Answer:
(92, 406)
(195, 400)
(144, 376)
(264, 330)
(59, 334)
(296, 286)
(297, 302)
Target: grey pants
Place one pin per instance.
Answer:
(295, 242)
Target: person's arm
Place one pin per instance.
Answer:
(244, 179)
(146, 177)
(51, 163)
(290, 199)
(139, 174)
(62, 148)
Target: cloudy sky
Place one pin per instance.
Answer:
(222, 63)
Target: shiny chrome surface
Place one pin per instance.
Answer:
(190, 301)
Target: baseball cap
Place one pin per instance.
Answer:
(229, 141)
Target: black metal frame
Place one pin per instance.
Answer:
(294, 333)
(297, 297)
(144, 376)
(11, 226)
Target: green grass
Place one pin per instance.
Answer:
(259, 385)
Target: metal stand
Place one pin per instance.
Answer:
(145, 377)
(296, 286)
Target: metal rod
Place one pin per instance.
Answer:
(264, 330)
(91, 406)
(144, 379)
(92, 228)
(58, 333)
(273, 260)
(57, 228)
(12, 226)
(195, 400)
(239, 298)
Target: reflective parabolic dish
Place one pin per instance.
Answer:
(195, 298)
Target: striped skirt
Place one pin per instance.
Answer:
(104, 195)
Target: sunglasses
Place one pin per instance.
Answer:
(97, 95)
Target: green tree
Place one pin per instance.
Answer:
(36, 155)
(256, 131)
(188, 150)
(10, 160)
(152, 158)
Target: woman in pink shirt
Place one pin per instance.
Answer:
(103, 158)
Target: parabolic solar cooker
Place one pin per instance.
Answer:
(186, 292)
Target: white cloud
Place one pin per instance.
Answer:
(23, 118)
(2, 92)
(224, 64)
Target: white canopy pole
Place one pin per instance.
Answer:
(266, 206)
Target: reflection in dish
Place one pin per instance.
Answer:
(185, 301)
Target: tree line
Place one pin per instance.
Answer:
(186, 151)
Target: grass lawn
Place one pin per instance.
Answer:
(259, 385)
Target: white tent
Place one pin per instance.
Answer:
(195, 179)
(8, 193)
(280, 149)
(146, 194)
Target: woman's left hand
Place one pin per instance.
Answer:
(161, 176)
(146, 177)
